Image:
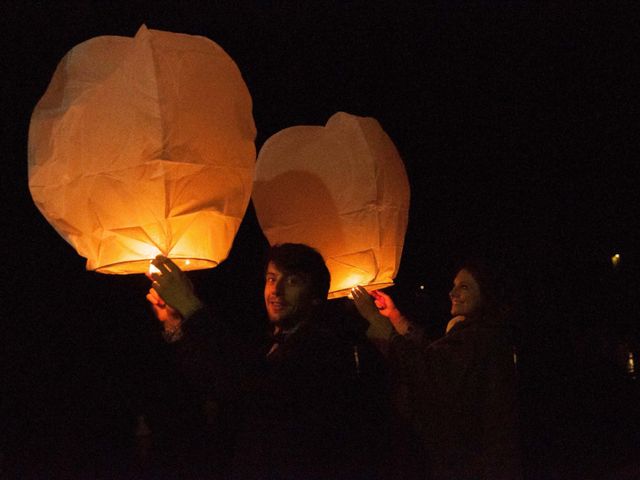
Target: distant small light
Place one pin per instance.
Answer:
(615, 260)
(187, 262)
(421, 287)
(631, 367)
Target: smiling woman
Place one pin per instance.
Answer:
(459, 391)
(465, 295)
(479, 290)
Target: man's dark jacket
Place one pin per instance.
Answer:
(312, 408)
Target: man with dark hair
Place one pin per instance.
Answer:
(296, 284)
(300, 408)
(296, 257)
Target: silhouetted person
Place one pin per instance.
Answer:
(299, 412)
(462, 391)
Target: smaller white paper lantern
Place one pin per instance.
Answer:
(341, 189)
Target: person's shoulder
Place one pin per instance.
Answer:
(464, 335)
(488, 337)
(319, 335)
(479, 326)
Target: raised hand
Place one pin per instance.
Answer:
(170, 317)
(376, 304)
(173, 287)
(366, 304)
(380, 328)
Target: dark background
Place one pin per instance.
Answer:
(518, 126)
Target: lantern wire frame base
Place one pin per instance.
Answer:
(346, 292)
(142, 266)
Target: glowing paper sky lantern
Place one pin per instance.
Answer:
(143, 146)
(342, 189)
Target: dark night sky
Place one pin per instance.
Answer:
(517, 123)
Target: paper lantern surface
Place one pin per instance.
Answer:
(341, 189)
(142, 146)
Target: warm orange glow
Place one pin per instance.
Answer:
(342, 189)
(142, 146)
(153, 268)
(347, 279)
(615, 260)
(184, 264)
(631, 366)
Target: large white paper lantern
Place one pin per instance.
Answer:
(143, 146)
(342, 189)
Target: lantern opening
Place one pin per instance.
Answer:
(346, 292)
(142, 266)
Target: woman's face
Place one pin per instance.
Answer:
(465, 295)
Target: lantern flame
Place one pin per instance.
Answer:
(153, 268)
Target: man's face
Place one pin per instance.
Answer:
(287, 296)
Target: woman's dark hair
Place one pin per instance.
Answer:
(490, 277)
(303, 260)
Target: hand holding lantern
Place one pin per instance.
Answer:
(169, 317)
(367, 304)
(173, 289)
(379, 309)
